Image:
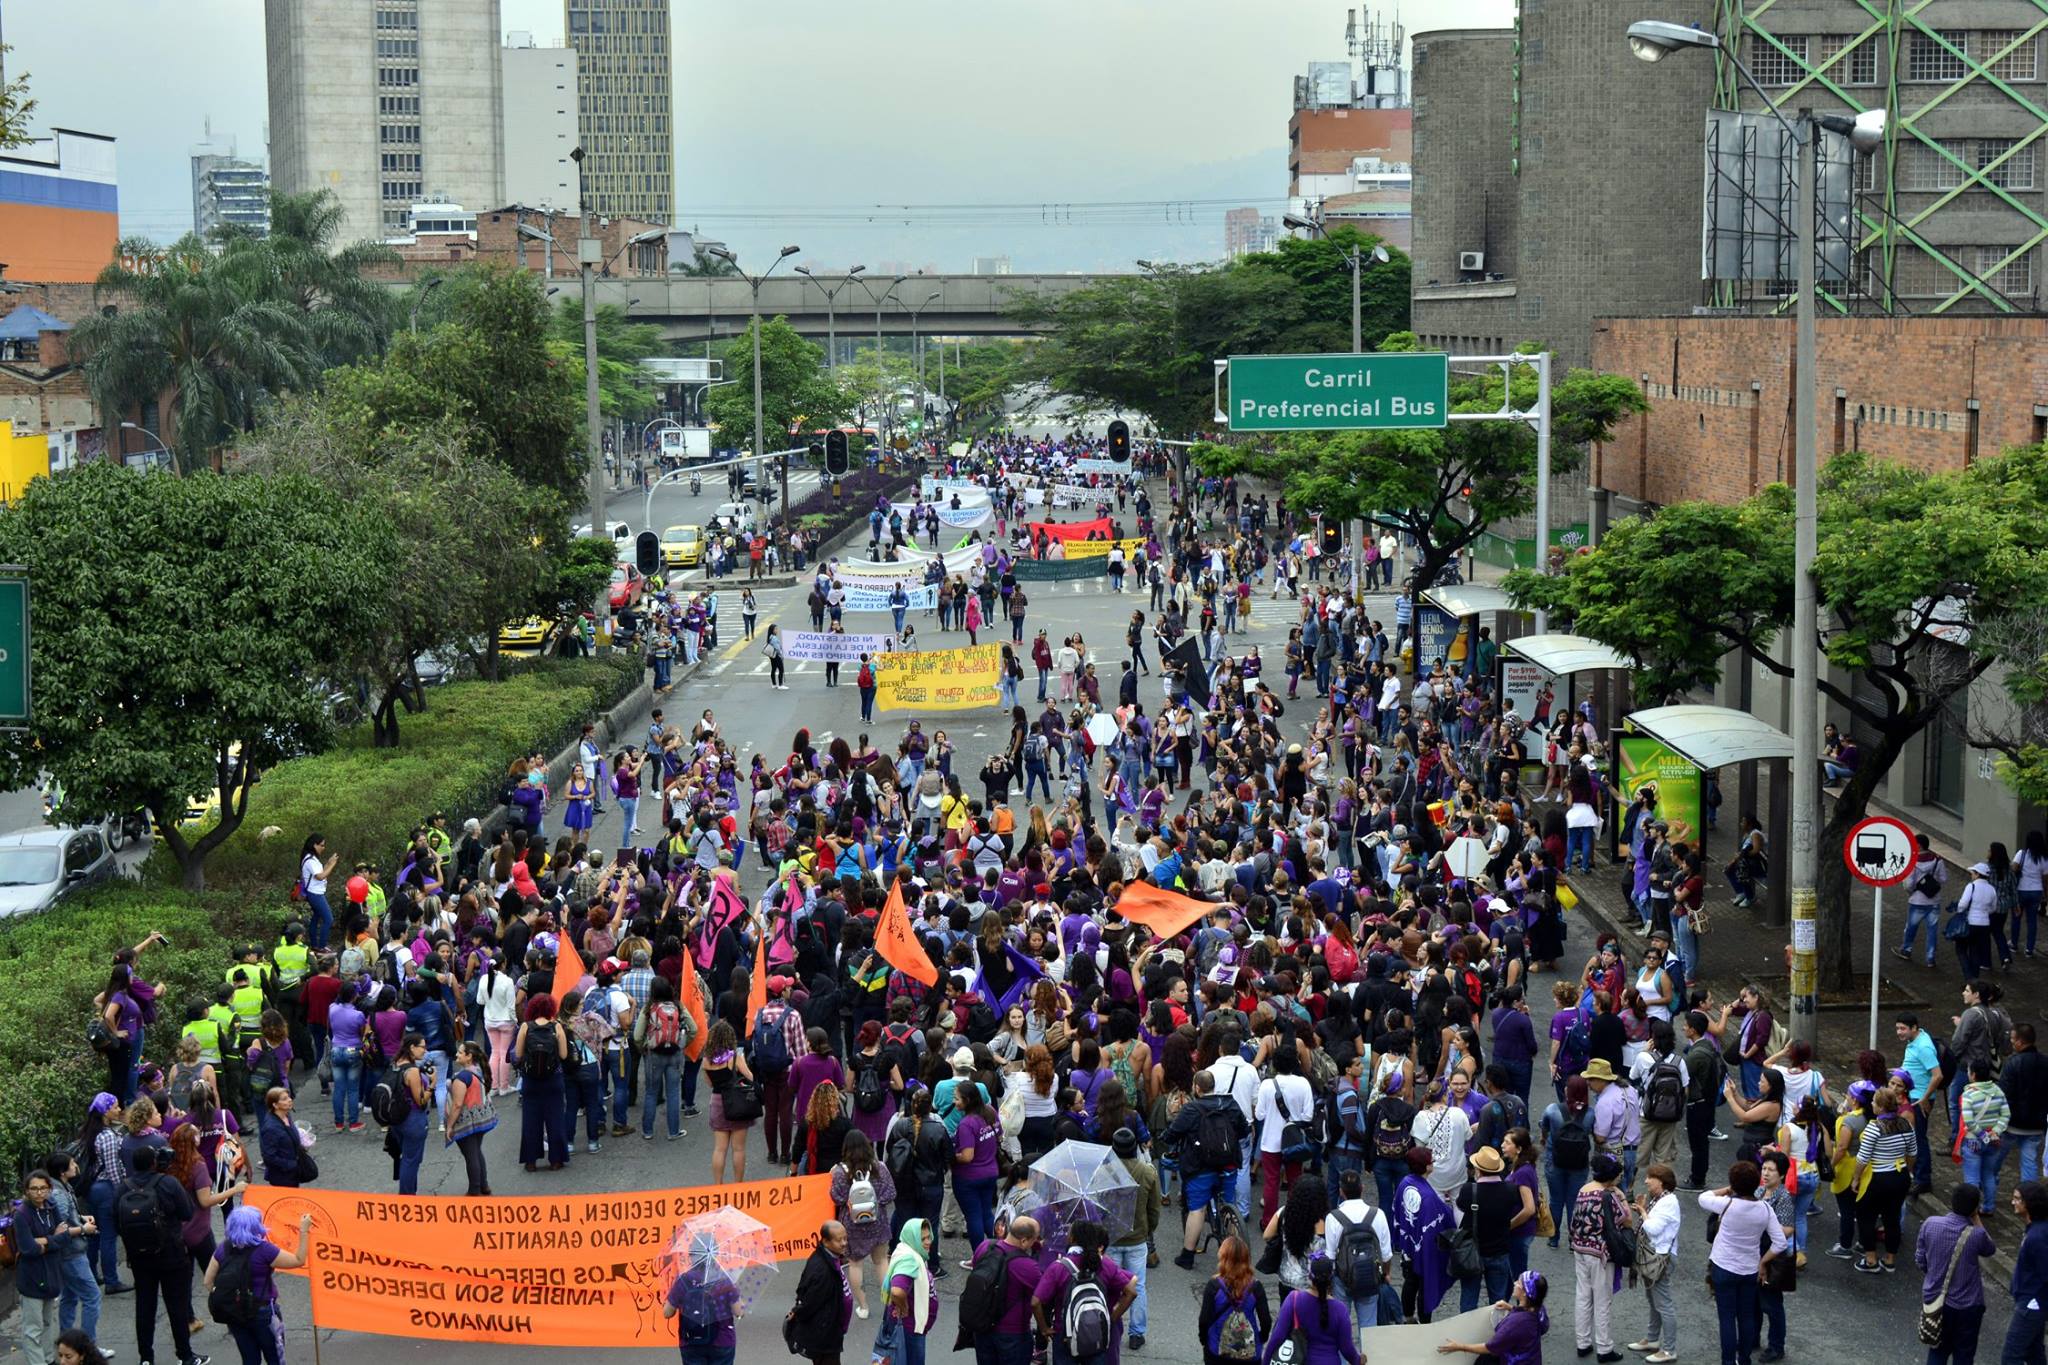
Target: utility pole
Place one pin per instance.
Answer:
(754, 287)
(589, 253)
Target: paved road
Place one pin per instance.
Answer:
(1837, 1315)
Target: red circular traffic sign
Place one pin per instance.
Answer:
(1879, 851)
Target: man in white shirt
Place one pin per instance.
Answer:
(1286, 1098)
(1354, 1212)
(1240, 1080)
(1388, 547)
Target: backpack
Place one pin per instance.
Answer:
(232, 1300)
(899, 1047)
(864, 678)
(1297, 1136)
(1232, 1334)
(390, 1101)
(1216, 1139)
(1663, 1093)
(771, 1046)
(862, 1201)
(899, 1152)
(1577, 1048)
(1572, 1148)
(982, 1023)
(144, 1224)
(265, 1072)
(1084, 1322)
(868, 1085)
(1359, 1254)
(985, 1295)
(664, 1028)
(540, 1058)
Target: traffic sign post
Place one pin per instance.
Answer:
(14, 656)
(1375, 391)
(1879, 852)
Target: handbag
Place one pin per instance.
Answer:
(1567, 899)
(1930, 1312)
(1463, 1247)
(1620, 1239)
(309, 1169)
(1546, 1221)
(1956, 927)
(1269, 1258)
(742, 1102)
(479, 1115)
(1652, 1266)
(99, 1037)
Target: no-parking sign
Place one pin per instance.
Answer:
(1879, 851)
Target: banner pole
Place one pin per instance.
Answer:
(313, 1306)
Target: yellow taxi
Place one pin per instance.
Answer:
(682, 547)
(528, 636)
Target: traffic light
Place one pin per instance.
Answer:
(837, 462)
(1120, 442)
(1333, 538)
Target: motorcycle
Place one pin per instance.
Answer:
(131, 828)
(696, 484)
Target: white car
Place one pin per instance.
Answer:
(738, 516)
(622, 536)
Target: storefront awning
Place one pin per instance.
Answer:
(1712, 736)
(1564, 654)
(1468, 599)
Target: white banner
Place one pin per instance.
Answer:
(913, 562)
(1099, 467)
(874, 597)
(966, 517)
(932, 487)
(1078, 495)
(826, 648)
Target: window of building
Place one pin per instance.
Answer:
(1928, 60)
(1859, 67)
(1919, 275)
(1779, 62)
(2014, 172)
(2015, 278)
(1924, 168)
(2021, 64)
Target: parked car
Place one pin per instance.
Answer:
(39, 867)
(526, 637)
(622, 536)
(628, 584)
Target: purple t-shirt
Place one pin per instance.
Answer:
(1058, 1278)
(985, 1138)
(262, 1282)
(810, 1071)
(1525, 1176)
(909, 1287)
(723, 1338)
(1518, 1340)
(1024, 1274)
(345, 1024)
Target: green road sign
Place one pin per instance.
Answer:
(13, 651)
(1341, 392)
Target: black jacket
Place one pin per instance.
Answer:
(819, 1302)
(1180, 1134)
(2024, 1078)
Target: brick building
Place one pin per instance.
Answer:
(632, 246)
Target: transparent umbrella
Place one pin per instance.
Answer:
(724, 1260)
(1079, 1181)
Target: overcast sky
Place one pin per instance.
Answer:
(805, 105)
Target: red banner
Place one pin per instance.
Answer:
(1097, 529)
(1165, 913)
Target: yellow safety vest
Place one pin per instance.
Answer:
(292, 964)
(211, 1040)
(247, 1004)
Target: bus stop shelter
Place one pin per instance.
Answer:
(1529, 661)
(1710, 738)
(1447, 622)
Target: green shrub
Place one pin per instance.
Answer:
(53, 964)
(452, 758)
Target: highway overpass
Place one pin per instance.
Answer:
(687, 308)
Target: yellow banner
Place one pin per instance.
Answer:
(1083, 549)
(938, 679)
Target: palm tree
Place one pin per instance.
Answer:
(351, 316)
(204, 335)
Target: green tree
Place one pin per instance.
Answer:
(348, 314)
(794, 384)
(625, 390)
(15, 105)
(491, 371)
(1901, 556)
(703, 265)
(1443, 487)
(197, 664)
(206, 337)
(1145, 344)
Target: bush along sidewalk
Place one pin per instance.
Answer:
(52, 965)
(453, 758)
(828, 516)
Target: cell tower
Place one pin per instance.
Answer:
(1375, 44)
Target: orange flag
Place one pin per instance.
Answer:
(757, 988)
(897, 944)
(1164, 912)
(692, 1001)
(568, 970)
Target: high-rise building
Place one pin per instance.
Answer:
(1349, 141)
(540, 125)
(991, 265)
(386, 103)
(1246, 230)
(60, 211)
(623, 106)
(228, 192)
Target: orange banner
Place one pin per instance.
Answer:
(897, 942)
(554, 1270)
(568, 970)
(1165, 913)
(691, 997)
(757, 987)
(1097, 529)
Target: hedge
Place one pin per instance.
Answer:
(451, 758)
(51, 966)
(821, 512)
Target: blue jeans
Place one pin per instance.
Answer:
(619, 1081)
(2023, 1338)
(1497, 1274)
(1923, 1165)
(1002, 1348)
(662, 1083)
(1578, 843)
(1564, 1187)
(1044, 675)
(584, 1088)
(412, 1147)
(1981, 1168)
(1960, 1330)
(707, 1355)
(1132, 1259)
(1735, 1303)
(629, 812)
(101, 1197)
(977, 1198)
(257, 1341)
(348, 1084)
(1247, 1172)
(439, 1061)
(895, 1342)
(1686, 944)
(1802, 1205)
(2030, 911)
(79, 1303)
(1771, 1307)
(1035, 771)
(1917, 915)
(2029, 1145)
(319, 920)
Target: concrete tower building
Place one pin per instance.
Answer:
(624, 64)
(386, 103)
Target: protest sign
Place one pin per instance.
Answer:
(938, 679)
(826, 648)
(1099, 528)
(869, 596)
(1047, 570)
(1086, 549)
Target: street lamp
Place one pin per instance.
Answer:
(917, 349)
(419, 296)
(536, 234)
(589, 254)
(754, 287)
(171, 459)
(881, 380)
(831, 295)
(1652, 41)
